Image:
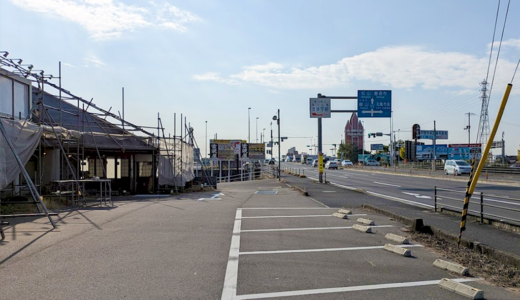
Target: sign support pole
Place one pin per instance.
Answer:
(320, 152)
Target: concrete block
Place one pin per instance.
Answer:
(365, 221)
(452, 267)
(345, 211)
(461, 289)
(398, 250)
(339, 215)
(365, 229)
(397, 238)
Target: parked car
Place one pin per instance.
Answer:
(459, 166)
(515, 166)
(315, 163)
(331, 165)
(346, 163)
(372, 162)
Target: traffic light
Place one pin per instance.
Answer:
(334, 145)
(370, 135)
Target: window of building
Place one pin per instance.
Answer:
(14, 98)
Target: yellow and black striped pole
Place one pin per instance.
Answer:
(475, 174)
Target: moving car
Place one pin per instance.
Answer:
(372, 162)
(459, 166)
(315, 163)
(346, 163)
(331, 165)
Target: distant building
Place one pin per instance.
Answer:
(354, 132)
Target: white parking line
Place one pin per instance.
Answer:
(347, 289)
(299, 216)
(229, 290)
(382, 183)
(289, 208)
(322, 250)
(312, 228)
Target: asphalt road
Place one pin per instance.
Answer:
(419, 191)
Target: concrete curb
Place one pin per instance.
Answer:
(452, 267)
(364, 229)
(498, 255)
(461, 289)
(396, 238)
(398, 250)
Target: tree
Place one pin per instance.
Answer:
(348, 151)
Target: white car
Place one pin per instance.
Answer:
(331, 165)
(346, 163)
(459, 166)
(372, 162)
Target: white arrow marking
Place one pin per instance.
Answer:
(418, 195)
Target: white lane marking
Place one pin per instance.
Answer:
(322, 250)
(229, 291)
(328, 191)
(382, 183)
(315, 228)
(202, 199)
(300, 216)
(400, 200)
(417, 195)
(347, 289)
(289, 208)
(216, 195)
(344, 186)
(499, 201)
(343, 177)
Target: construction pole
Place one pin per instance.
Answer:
(474, 179)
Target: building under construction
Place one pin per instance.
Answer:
(70, 147)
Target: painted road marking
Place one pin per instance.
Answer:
(382, 183)
(214, 197)
(315, 228)
(348, 289)
(229, 290)
(328, 191)
(400, 200)
(299, 216)
(322, 250)
(417, 195)
(288, 208)
(499, 201)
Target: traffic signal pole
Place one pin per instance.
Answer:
(320, 153)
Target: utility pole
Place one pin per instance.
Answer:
(206, 154)
(468, 128)
(249, 124)
(272, 140)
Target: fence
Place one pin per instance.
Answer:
(494, 211)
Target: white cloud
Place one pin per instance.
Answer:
(105, 19)
(398, 67)
(214, 77)
(93, 60)
(515, 43)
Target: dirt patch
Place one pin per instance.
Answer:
(479, 264)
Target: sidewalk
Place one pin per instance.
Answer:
(499, 244)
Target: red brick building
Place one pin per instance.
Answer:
(354, 132)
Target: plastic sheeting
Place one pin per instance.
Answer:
(25, 136)
(175, 164)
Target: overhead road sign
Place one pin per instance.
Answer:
(464, 151)
(374, 104)
(429, 134)
(424, 152)
(376, 147)
(319, 107)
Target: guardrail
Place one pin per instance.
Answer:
(440, 194)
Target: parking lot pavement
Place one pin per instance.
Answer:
(279, 252)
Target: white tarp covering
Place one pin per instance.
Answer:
(175, 169)
(25, 136)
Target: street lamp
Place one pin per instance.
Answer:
(262, 140)
(277, 119)
(248, 125)
(256, 129)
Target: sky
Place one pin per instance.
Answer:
(211, 60)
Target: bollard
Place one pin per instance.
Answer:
(481, 208)
(487, 175)
(455, 172)
(325, 174)
(435, 198)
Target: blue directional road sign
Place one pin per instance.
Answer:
(374, 104)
